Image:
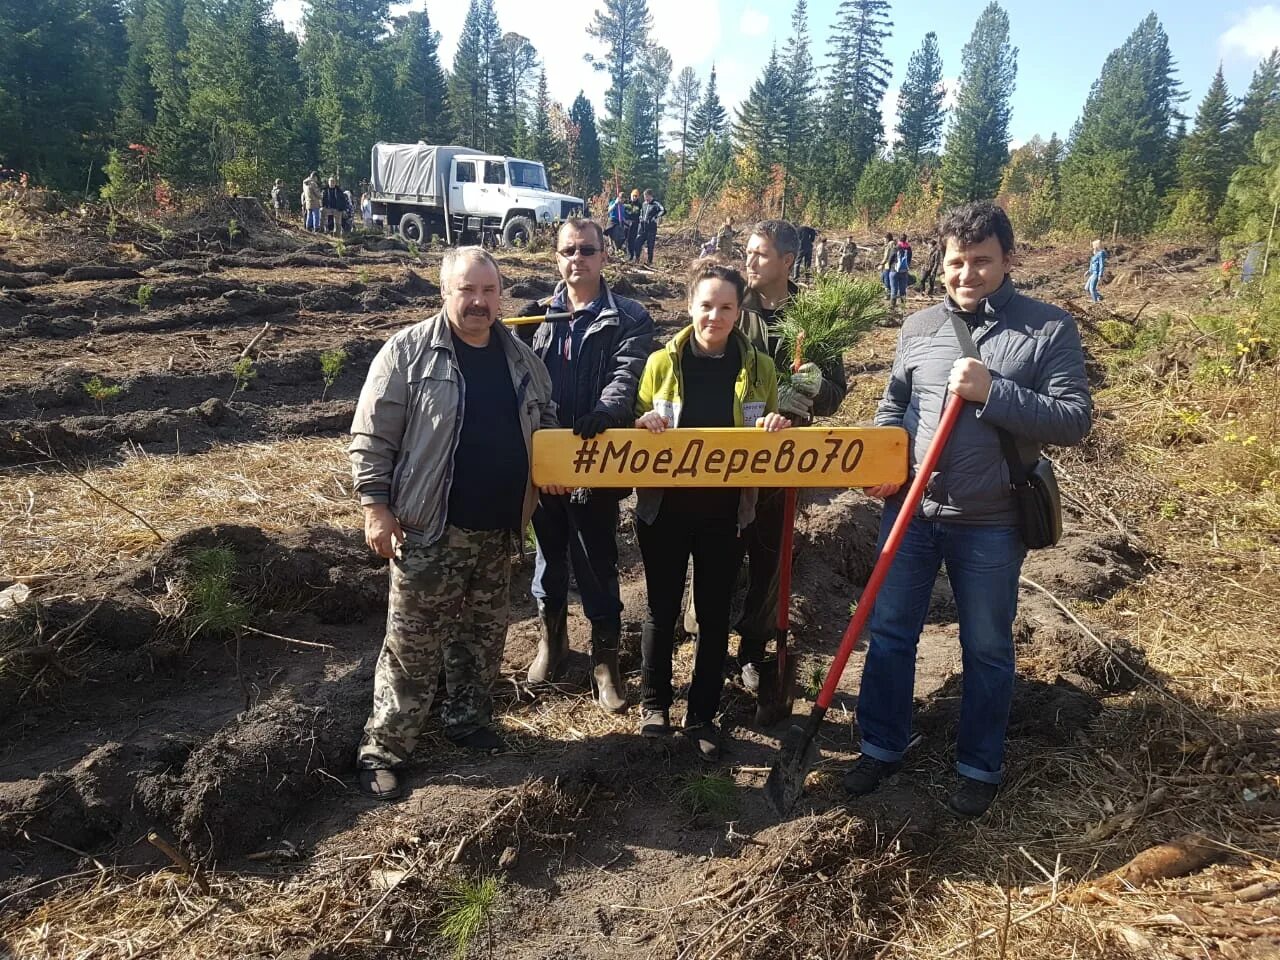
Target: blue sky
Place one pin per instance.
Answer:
(1061, 46)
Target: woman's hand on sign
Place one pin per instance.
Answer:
(882, 490)
(773, 422)
(554, 490)
(652, 421)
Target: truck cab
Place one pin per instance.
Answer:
(464, 195)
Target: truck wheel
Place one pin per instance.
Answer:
(412, 229)
(518, 232)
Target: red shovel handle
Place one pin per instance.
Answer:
(914, 494)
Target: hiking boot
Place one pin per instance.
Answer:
(705, 739)
(655, 723)
(606, 678)
(751, 678)
(972, 798)
(553, 646)
(865, 775)
(380, 784)
(479, 740)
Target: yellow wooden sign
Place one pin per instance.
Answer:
(722, 457)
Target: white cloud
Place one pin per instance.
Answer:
(951, 91)
(1254, 35)
(889, 114)
(753, 23)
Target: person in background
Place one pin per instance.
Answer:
(617, 231)
(279, 200)
(332, 203)
(651, 211)
(820, 254)
(709, 375)
(902, 269)
(594, 357)
(804, 259)
(441, 445)
(633, 226)
(313, 201)
(366, 210)
(888, 266)
(1029, 382)
(1097, 267)
(932, 267)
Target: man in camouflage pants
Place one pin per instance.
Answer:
(440, 454)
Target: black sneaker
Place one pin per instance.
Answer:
(380, 784)
(866, 773)
(972, 798)
(655, 723)
(480, 740)
(705, 739)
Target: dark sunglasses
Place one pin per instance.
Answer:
(588, 251)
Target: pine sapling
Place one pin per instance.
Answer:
(243, 371)
(331, 364)
(101, 392)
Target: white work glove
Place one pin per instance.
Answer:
(807, 380)
(793, 403)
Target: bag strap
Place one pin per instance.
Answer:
(1017, 470)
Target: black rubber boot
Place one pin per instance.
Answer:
(606, 678)
(553, 646)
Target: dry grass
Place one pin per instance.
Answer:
(55, 527)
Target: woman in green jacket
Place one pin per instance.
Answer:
(709, 375)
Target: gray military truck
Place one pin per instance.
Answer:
(463, 195)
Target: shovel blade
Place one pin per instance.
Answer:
(777, 693)
(785, 785)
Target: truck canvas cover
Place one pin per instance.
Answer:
(414, 170)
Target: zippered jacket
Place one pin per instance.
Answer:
(1039, 394)
(410, 414)
(755, 393)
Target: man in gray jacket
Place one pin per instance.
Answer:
(440, 455)
(1030, 382)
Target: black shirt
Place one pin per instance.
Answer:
(490, 465)
(708, 400)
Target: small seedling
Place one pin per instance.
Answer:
(212, 604)
(341, 247)
(111, 227)
(363, 275)
(101, 391)
(714, 794)
(243, 372)
(331, 363)
(143, 297)
(413, 250)
(817, 677)
(233, 229)
(530, 539)
(471, 905)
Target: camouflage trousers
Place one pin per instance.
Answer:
(448, 604)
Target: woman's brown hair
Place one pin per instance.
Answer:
(709, 268)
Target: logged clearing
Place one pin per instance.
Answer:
(170, 790)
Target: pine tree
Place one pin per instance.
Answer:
(759, 128)
(1260, 105)
(137, 113)
(798, 121)
(542, 141)
(1204, 164)
(920, 110)
(515, 73)
(165, 35)
(421, 87)
(684, 100)
(978, 141)
(622, 28)
(1118, 158)
(708, 119)
(471, 82)
(585, 177)
(858, 75)
(654, 78)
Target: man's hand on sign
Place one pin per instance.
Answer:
(773, 422)
(794, 403)
(553, 490)
(970, 380)
(882, 490)
(592, 424)
(382, 530)
(652, 421)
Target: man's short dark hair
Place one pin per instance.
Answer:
(781, 233)
(972, 223)
(581, 224)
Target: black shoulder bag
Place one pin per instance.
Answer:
(1034, 488)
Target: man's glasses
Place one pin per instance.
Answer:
(568, 252)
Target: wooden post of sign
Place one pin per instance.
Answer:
(722, 456)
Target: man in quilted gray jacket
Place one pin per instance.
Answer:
(1029, 382)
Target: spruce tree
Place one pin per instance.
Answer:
(421, 87)
(515, 77)
(858, 75)
(622, 29)
(920, 110)
(978, 141)
(1118, 155)
(137, 113)
(708, 119)
(655, 78)
(759, 127)
(1260, 105)
(1205, 162)
(684, 100)
(798, 121)
(471, 82)
(586, 159)
(541, 138)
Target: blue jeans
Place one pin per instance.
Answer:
(1092, 286)
(983, 563)
(900, 284)
(313, 219)
(586, 536)
(886, 277)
